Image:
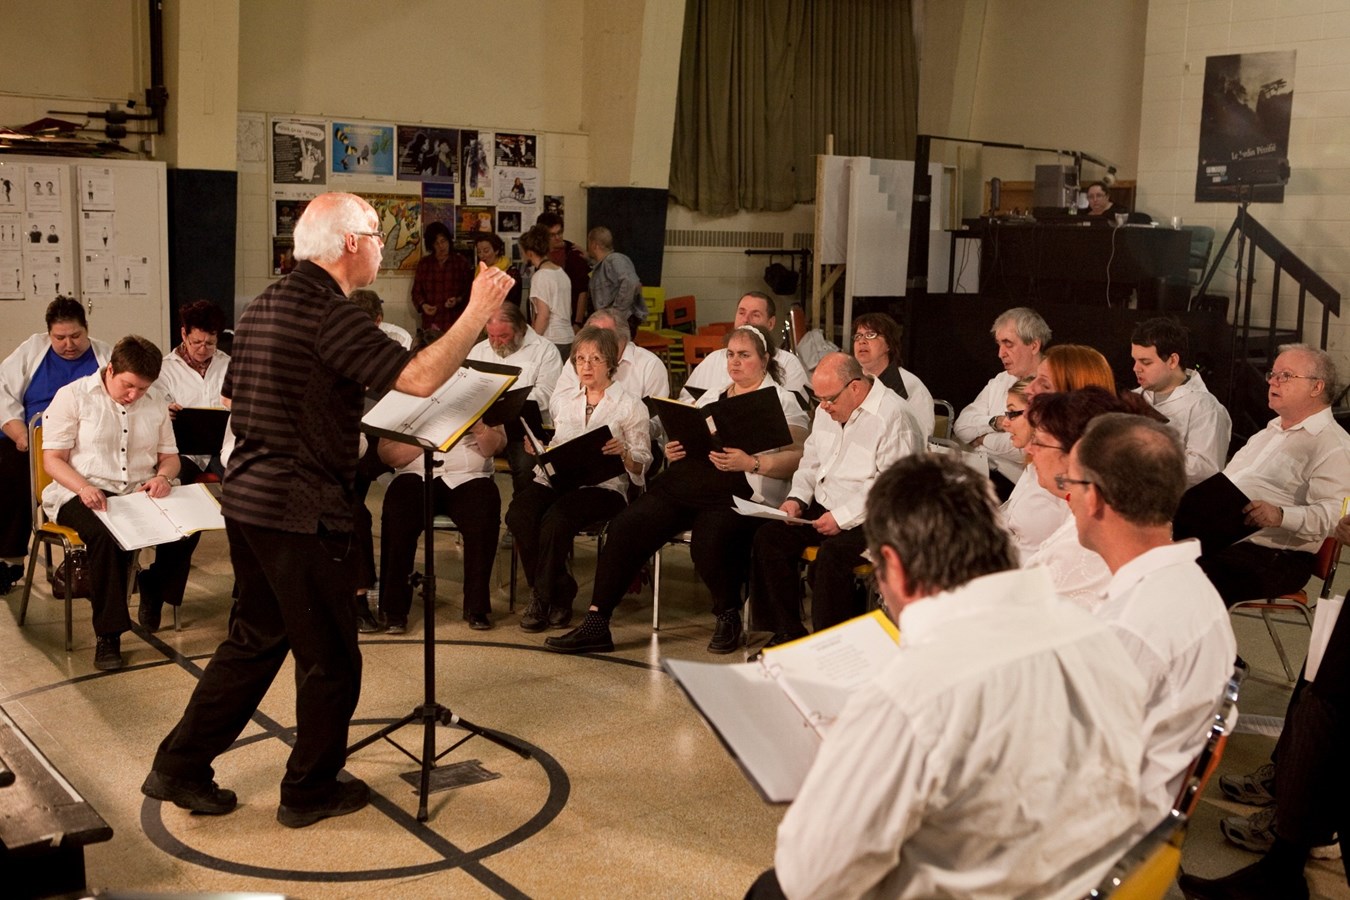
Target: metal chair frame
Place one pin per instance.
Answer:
(1328, 559)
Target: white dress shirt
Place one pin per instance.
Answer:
(641, 373)
(538, 361)
(19, 367)
(998, 751)
(973, 421)
(1031, 513)
(1079, 574)
(1200, 420)
(398, 333)
(840, 462)
(1175, 627)
(618, 408)
(770, 491)
(455, 466)
(1304, 470)
(180, 383)
(115, 447)
(711, 374)
(920, 400)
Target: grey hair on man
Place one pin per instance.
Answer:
(1026, 322)
(603, 318)
(322, 229)
(1324, 368)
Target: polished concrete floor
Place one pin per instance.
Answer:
(626, 792)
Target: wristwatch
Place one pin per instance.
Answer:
(993, 422)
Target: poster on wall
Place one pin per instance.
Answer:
(438, 205)
(97, 188)
(400, 223)
(11, 256)
(555, 203)
(283, 255)
(98, 231)
(428, 154)
(515, 150)
(1244, 127)
(285, 212)
(97, 273)
(299, 151)
(519, 187)
(473, 219)
(477, 168)
(48, 272)
(11, 188)
(43, 184)
(508, 221)
(363, 150)
(250, 144)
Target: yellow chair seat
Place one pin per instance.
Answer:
(862, 570)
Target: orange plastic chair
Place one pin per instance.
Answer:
(698, 346)
(1328, 558)
(716, 328)
(679, 313)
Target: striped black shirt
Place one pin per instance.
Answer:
(303, 356)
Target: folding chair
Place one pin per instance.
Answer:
(1148, 870)
(1216, 740)
(944, 416)
(46, 534)
(679, 313)
(1328, 558)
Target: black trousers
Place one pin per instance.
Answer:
(544, 523)
(165, 580)
(1247, 571)
(775, 594)
(1312, 786)
(295, 595)
(16, 500)
(719, 546)
(476, 508)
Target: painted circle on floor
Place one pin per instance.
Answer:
(152, 824)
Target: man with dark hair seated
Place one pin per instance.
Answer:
(998, 754)
(103, 436)
(1161, 349)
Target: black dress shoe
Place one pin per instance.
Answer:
(365, 622)
(727, 636)
(396, 626)
(349, 797)
(151, 613)
(108, 653)
(535, 617)
(479, 622)
(1255, 882)
(204, 797)
(10, 575)
(559, 616)
(585, 638)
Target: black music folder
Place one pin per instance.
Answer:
(200, 431)
(513, 408)
(1212, 512)
(752, 423)
(580, 462)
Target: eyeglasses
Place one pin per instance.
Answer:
(865, 336)
(198, 343)
(1013, 413)
(831, 400)
(371, 234)
(1062, 481)
(1283, 377)
(1044, 446)
(589, 361)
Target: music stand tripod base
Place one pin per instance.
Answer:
(430, 713)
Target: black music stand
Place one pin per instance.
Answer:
(430, 713)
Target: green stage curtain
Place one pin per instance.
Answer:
(762, 82)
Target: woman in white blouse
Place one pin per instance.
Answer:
(544, 521)
(194, 373)
(696, 494)
(1031, 513)
(1059, 420)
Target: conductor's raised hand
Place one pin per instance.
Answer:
(490, 287)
